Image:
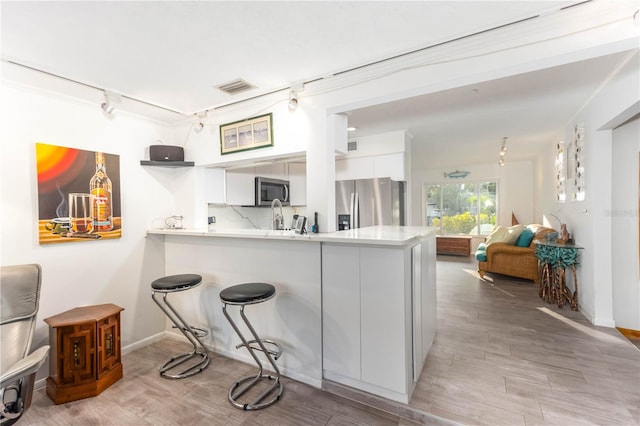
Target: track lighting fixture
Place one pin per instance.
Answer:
(200, 122)
(106, 105)
(503, 151)
(110, 99)
(293, 100)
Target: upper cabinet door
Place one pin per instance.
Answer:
(298, 184)
(215, 185)
(241, 187)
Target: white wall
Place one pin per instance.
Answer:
(515, 188)
(590, 221)
(94, 272)
(624, 213)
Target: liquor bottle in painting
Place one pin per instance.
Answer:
(100, 188)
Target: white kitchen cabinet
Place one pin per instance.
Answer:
(215, 186)
(387, 165)
(368, 317)
(298, 183)
(273, 171)
(385, 327)
(240, 185)
(341, 316)
(354, 168)
(390, 165)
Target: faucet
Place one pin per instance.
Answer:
(277, 219)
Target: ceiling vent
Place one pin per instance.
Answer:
(352, 145)
(235, 86)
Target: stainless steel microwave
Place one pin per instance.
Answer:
(268, 189)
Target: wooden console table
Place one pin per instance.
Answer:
(553, 261)
(85, 356)
(453, 244)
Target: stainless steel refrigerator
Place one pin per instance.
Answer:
(369, 202)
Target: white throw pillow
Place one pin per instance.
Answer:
(506, 235)
(513, 232)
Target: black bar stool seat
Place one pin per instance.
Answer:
(247, 294)
(197, 359)
(243, 295)
(176, 282)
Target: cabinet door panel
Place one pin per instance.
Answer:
(298, 183)
(354, 168)
(77, 363)
(341, 310)
(391, 166)
(240, 188)
(383, 295)
(108, 344)
(429, 295)
(215, 185)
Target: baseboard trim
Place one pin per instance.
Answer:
(604, 322)
(144, 342)
(629, 333)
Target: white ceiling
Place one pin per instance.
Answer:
(174, 53)
(528, 109)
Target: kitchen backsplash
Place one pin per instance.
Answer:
(234, 217)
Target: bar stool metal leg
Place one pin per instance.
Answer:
(197, 359)
(192, 334)
(271, 350)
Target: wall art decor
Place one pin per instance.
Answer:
(252, 133)
(561, 172)
(78, 195)
(575, 168)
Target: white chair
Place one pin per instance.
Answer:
(20, 297)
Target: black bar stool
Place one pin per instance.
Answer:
(250, 294)
(172, 284)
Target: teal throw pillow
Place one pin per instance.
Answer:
(481, 253)
(525, 238)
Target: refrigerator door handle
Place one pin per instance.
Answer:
(351, 218)
(356, 210)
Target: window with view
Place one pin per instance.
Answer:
(461, 208)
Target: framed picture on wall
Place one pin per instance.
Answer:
(78, 195)
(252, 133)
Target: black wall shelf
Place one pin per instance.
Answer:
(167, 163)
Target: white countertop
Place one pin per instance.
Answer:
(381, 235)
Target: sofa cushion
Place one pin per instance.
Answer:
(525, 238)
(505, 235)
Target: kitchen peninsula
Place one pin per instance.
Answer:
(355, 307)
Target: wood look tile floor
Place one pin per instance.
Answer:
(142, 397)
(501, 356)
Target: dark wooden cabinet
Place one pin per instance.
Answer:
(453, 244)
(85, 356)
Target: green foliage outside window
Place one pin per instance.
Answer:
(462, 223)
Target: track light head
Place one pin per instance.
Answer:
(200, 121)
(293, 100)
(107, 107)
(109, 99)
